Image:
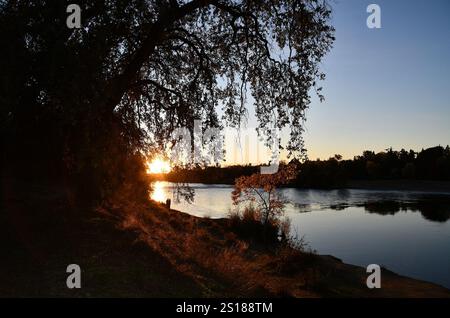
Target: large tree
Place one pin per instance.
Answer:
(87, 99)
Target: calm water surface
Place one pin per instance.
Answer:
(407, 232)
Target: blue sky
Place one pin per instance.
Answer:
(385, 87)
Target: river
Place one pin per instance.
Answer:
(407, 232)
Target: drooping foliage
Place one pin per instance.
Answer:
(86, 103)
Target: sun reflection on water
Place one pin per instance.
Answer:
(158, 193)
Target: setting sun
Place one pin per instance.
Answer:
(158, 166)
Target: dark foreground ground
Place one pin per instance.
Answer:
(129, 249)
(37, 244)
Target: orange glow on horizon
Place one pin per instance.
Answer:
(158, 166)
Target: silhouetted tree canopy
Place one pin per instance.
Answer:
(85, 100)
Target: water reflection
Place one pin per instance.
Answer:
(343, 194)
(408, 232)
(436, 209)
(159, 193)
(432, 207)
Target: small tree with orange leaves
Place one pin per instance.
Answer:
(261, 190)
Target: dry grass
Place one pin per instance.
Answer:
(222, 256)
(189, 257)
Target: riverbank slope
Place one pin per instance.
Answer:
(213, 253)
(127, 248)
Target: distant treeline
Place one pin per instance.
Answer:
(428, 164)
(219, 175)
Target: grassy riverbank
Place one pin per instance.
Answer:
(210, 251)
(141, 249)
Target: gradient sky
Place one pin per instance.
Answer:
(384, 87)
